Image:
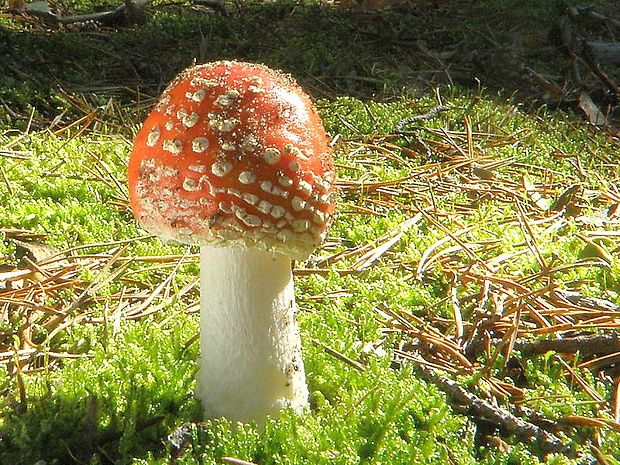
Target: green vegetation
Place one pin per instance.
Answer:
(457, 243)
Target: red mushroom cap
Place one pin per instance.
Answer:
(234, 152)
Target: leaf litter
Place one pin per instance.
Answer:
(470, 343)
(42, 298)
(494, 315)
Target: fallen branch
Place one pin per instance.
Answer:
(400, 126)
(580, 300)
(588, 12)
(605, 52)
(600, 344)
(129, 12)
(480, 410)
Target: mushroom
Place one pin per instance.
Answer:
(234, 157)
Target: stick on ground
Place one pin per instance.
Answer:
(506, 422)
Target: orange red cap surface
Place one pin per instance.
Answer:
(234, 153)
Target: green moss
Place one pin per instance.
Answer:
(130, 387)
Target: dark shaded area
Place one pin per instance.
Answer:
(76, 431)
(405, 49)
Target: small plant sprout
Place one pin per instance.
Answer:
(234, 157)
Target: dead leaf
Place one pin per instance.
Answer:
(531, 190)
(566, 197)
(593, 113)
(34, 250)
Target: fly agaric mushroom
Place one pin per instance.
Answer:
(234, 157)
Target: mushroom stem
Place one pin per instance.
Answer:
(250, 364)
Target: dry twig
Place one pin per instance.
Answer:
(480, 410)
(46, 295)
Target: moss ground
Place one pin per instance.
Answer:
(458, 234)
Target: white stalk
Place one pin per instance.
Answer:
(250, 364)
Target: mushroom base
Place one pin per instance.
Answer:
(250, 365)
